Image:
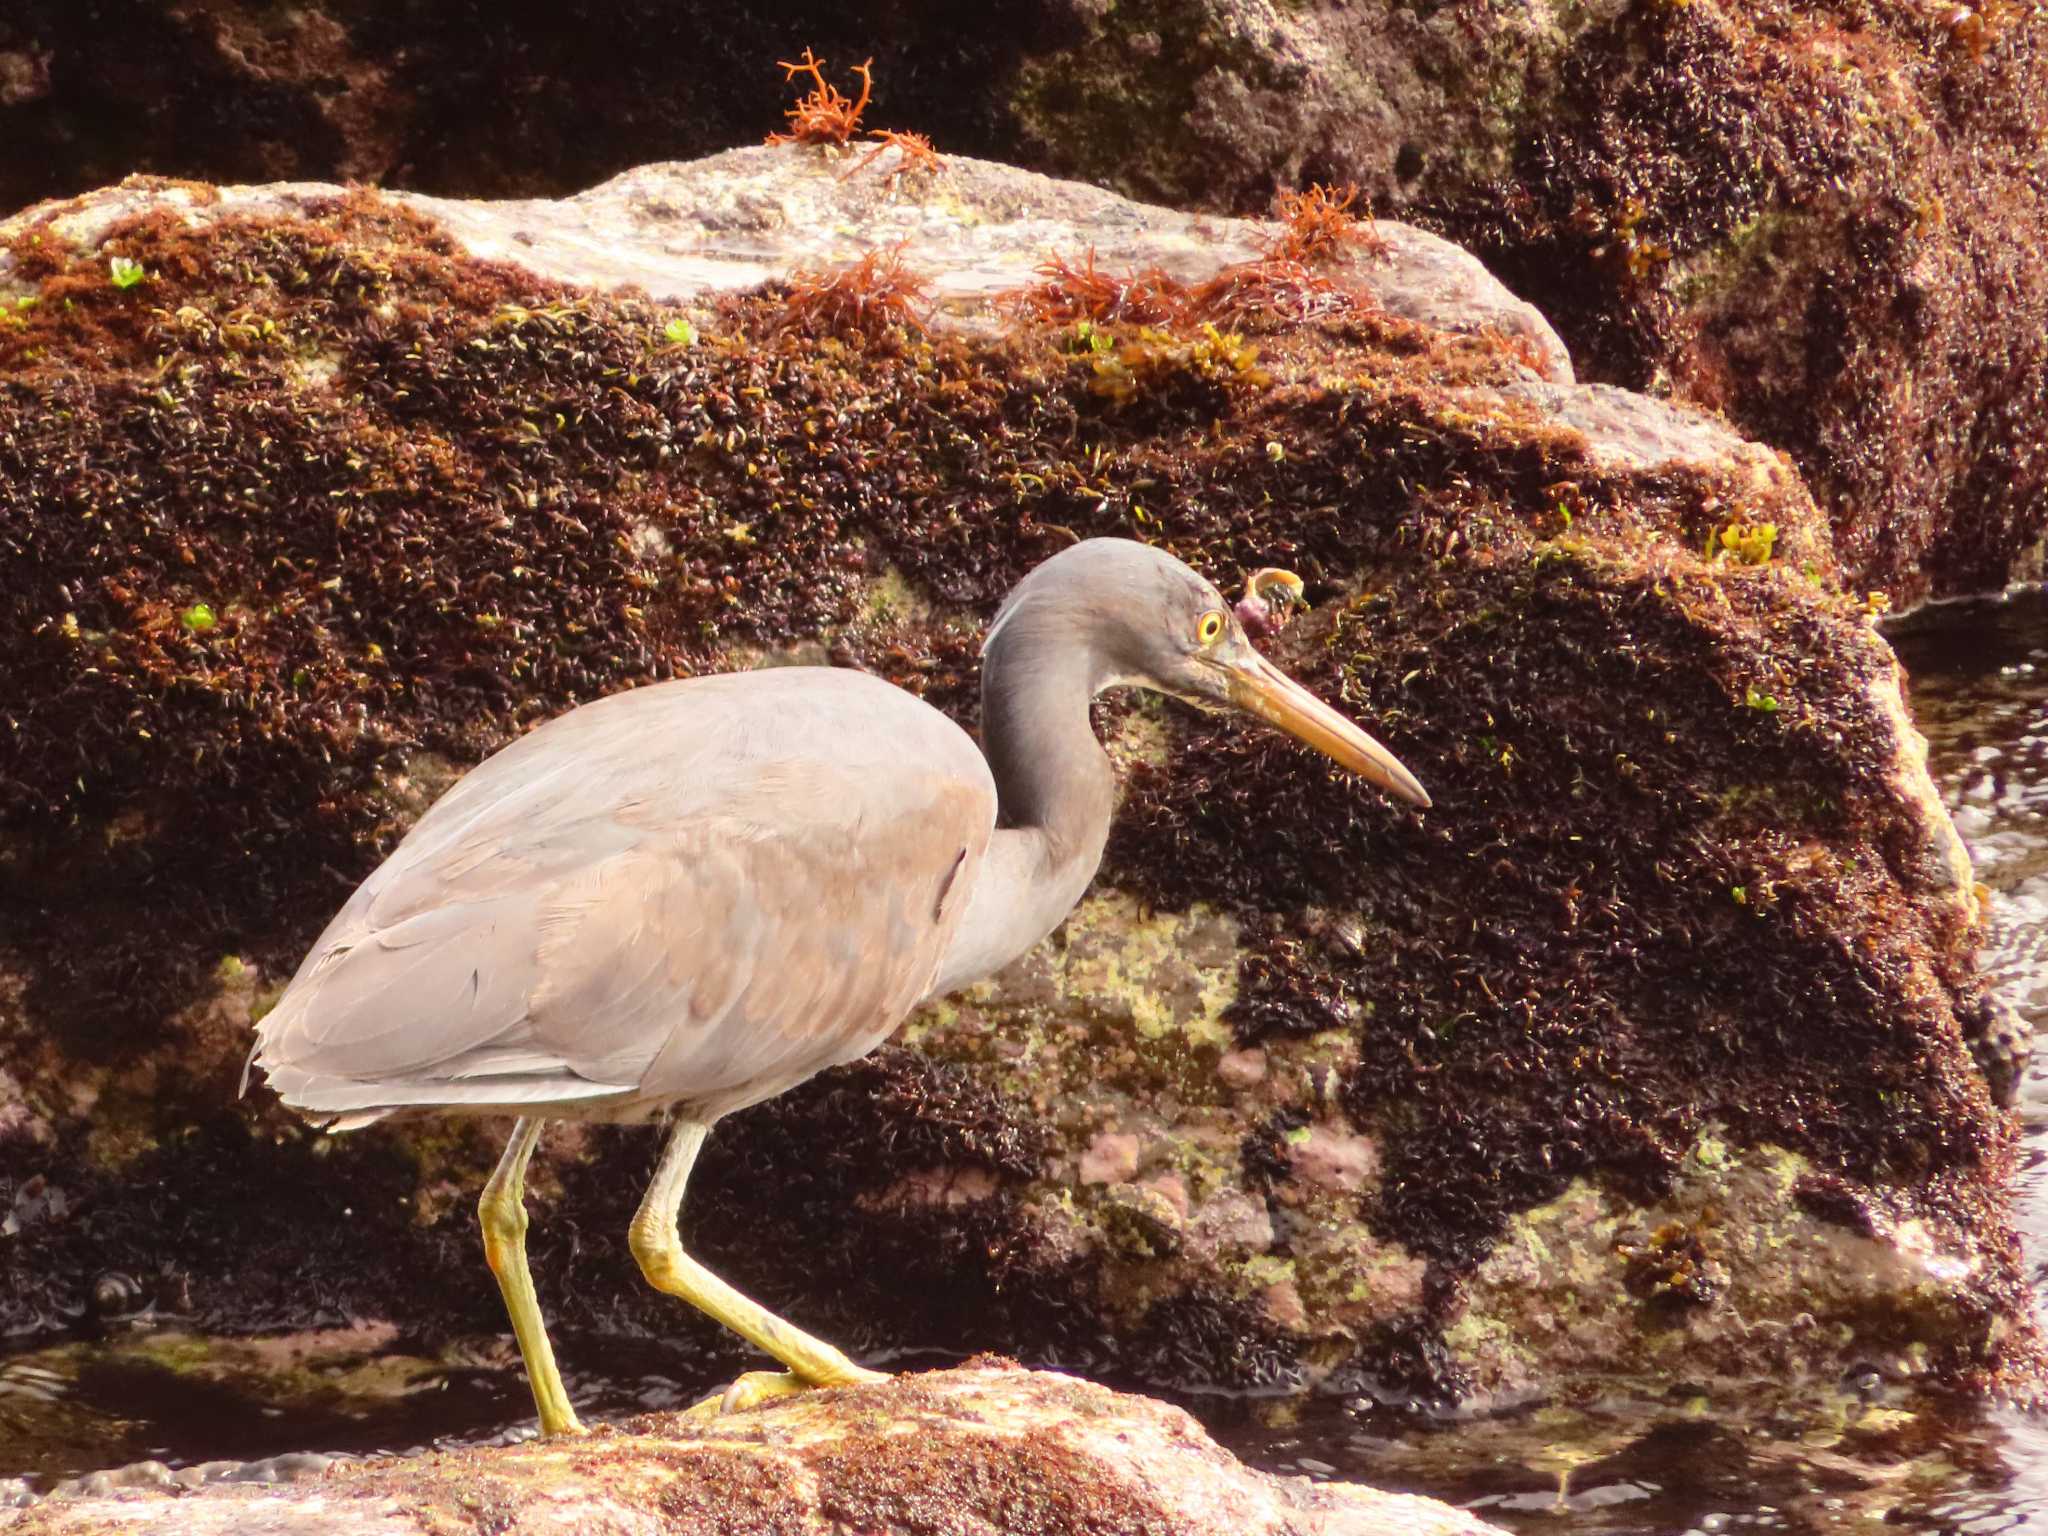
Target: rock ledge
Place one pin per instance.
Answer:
(986, 1448)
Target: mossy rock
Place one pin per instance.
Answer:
(984, 1447)
(1685, 886)
(1819, 218)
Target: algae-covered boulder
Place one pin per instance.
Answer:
(1643, 1054)
(983, 1449)
(1821, 218)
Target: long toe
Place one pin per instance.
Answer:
(748, 1391)
(846, 1374)
(757, 1387)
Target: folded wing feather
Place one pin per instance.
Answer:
(709, 908)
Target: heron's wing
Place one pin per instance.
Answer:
(759, 959)
(772, 899)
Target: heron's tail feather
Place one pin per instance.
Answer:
(346, 1104)
(353, 1122)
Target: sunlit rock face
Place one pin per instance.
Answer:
(1653, 1028)
(985, 1447)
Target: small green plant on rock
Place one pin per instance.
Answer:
(1742, 541)
(123, 272)
(1091, 338)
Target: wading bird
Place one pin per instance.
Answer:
(686, 898)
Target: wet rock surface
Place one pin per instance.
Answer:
(321, 506)
(985, 1448)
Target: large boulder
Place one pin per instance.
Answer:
(1819, 218)
(1644, 1054)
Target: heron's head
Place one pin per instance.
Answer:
(1152, 622)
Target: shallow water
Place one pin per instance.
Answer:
(1830, 1461)
(1980, 694)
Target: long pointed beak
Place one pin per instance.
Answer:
(1261, 688)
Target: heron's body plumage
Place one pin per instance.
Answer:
(668, 896)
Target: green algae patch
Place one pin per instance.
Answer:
(1152, 964)
(1638, 1285)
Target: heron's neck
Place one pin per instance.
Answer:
(1055, 792)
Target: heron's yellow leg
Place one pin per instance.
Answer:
(811, 1362)
(502, 1213)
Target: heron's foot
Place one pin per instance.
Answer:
(563, 1428)
(758, 1387)
(749, 1391)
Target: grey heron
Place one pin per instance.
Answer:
(685, 898)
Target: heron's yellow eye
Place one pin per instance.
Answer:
(1209, 627)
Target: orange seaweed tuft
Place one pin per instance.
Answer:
(1318, 225)
(868, 298)
(825, 116)
(915, 153)
(1081, 290)
(1270, 291)
(1274, 290)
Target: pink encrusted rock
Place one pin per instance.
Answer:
(1282, 1300)
(1242, 1069)
(1337, 1161)
(1234, 1220)
(1172, 1188)
(1112, 1158)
